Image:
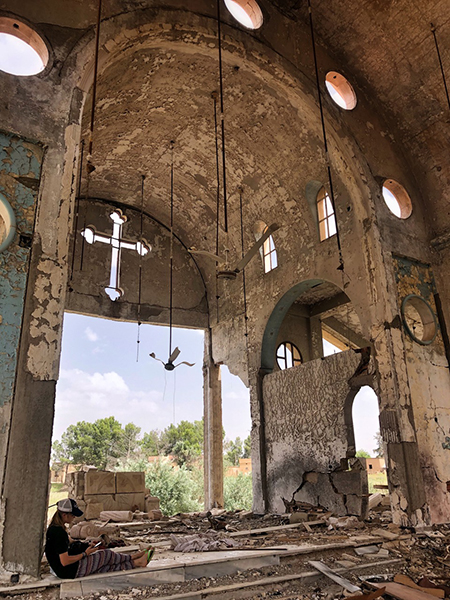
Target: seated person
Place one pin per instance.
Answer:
(90, 561)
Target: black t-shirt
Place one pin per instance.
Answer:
(57, 542)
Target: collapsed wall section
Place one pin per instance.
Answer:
(306, 437)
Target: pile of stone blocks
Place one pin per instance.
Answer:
(96, 491)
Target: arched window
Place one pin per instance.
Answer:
(288, 355)
(325, 212)
(269, 254)
(268, 250)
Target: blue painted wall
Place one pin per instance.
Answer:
(20, 167)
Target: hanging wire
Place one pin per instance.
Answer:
(222, 121)
(444, 80)
(215, 97)
(174, 394)
(324, 134)
(89, 165)
(171, 252)
(77, 208)
(243, 270)
(138, 341)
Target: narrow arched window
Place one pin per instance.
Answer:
(267, 250)
(269, 254)
(325, 212)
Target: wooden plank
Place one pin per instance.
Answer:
(402, 592)
(277, 528)
(405, 580)
(345, 583)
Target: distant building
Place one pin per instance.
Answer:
(245, 466)
(374, 465)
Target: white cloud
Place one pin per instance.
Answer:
(81, 396)
(90, 335)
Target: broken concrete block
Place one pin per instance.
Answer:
(155, 515)
(93, 510)
(349, 482)
(298, 517)
(118, 516)
(131, 502)
(151, 503)
(364, 550)
(354, 505)
(108, 500)
(375, 500)
(75, 484)
(99, 482)
(129, 483)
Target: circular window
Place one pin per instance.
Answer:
(22, 50)
(7, 223)
(397, 199)
(288, 355)
(340, 90)
(247, 12)
(419, 319)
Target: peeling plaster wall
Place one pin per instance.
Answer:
(306, 436)
(20, 166)
(429, 381)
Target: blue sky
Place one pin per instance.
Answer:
(99, 377)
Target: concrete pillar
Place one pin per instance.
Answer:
(315, 337)
(213, 446)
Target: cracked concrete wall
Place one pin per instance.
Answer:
(306, 436)
(429, 380)
(20, 167)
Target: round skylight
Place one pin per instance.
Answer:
(22, 50)
(340, 90)
(397, 199)
(247, 12)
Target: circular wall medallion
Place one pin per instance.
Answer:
(7, 223)
(419, 319)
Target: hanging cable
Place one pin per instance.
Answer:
(215, 96)
(77, 208)
(243, 270)
(89, 165)
(171, 252)
(433, 31)
(138, 341)
(222, 121)
(324, 134)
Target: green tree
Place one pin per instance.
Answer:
(99, 443)
(184, 441)
(247, 447)
(237, 492)
(234, 451)
(177, 489)
(362, 454)
(378, 451)
(129, 443)
(152, 443)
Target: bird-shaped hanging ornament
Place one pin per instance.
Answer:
(169, 365)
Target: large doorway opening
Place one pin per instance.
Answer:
(368, 441)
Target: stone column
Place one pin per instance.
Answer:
(213, 447)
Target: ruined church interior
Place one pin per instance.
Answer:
(271, 172)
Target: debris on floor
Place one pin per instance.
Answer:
(319, 556)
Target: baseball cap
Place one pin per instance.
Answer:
(69, 506)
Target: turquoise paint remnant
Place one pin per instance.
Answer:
(417, 275)
(18, 158)
(446, 444)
